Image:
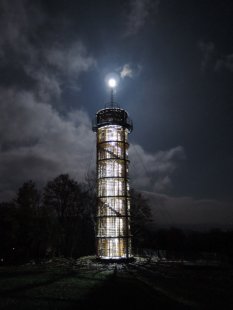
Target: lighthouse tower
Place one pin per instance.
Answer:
(112, 126)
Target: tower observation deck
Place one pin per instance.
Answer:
(112, 126)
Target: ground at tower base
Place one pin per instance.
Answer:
(146, 283)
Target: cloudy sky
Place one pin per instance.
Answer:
(174, 60)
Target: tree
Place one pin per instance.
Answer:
(66, 200)
(30, 230)
(28, 197)
(91, 210)
(8, 232)
(140, 219)
(62, 196)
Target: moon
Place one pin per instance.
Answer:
(112, 83)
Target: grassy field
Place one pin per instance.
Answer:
(59, 284)
(83, 284)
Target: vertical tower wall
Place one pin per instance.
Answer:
(113, 200)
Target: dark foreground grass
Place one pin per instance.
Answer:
(48, 286)
(71, 285)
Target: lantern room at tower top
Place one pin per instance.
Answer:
(112, 116)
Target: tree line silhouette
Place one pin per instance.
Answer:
(60, 220)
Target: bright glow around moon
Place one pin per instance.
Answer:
(112, 83)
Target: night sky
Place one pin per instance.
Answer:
(174, 61)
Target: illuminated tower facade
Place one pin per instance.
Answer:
(112, 126)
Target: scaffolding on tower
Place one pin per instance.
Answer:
(112, 126)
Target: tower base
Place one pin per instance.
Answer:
(122, 260)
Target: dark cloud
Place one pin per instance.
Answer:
(210, 58)
(139, 12)
(19, 21)
(51, 65)
(154, 171)
(207, 48)
(130, 71)
(59, 67)
(38, 143)
(225, 62)
(70, 61)
(187, 212)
